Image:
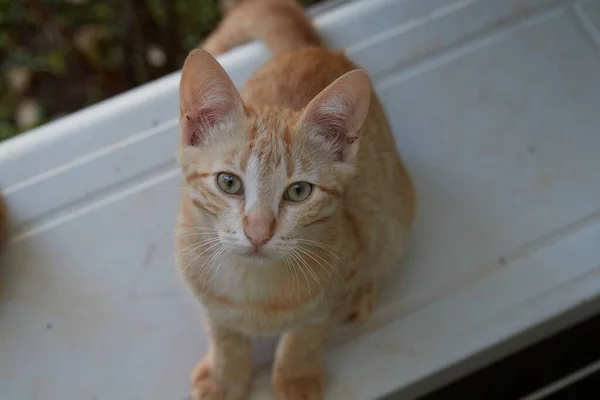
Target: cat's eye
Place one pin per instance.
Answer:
(298, 191)
(229, 183)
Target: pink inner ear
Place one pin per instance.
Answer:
(336, 115)
(198, 127)
(208, 98)
(334, 131)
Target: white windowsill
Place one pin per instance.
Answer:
(495, 109)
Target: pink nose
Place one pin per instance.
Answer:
(259, 227)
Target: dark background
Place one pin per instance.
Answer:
(58, 56)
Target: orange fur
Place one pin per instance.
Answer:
(247, 20)
(258, 262)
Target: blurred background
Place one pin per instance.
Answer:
(58, 56)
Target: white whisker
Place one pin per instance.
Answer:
(304, 251)
(327, 265)
(216, 271)
(194, 246)
(291, 268)
(206, 271)
(328, 249)
(298, 266)
(312, 273)
(201, 254)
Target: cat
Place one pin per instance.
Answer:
(295, 202)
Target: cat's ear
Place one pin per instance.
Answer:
(335, 116)
(207, 98)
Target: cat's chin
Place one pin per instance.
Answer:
(256, 258)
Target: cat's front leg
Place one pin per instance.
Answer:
(225, 373)
(299, 373)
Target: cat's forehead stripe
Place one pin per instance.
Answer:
(271, 144)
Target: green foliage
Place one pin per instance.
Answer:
(58, 56)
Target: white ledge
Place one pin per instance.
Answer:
(494, 107)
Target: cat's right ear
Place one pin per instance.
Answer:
(207, 99)
(333, 118)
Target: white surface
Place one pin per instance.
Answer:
(496, 109)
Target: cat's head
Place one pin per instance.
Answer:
(266, 180)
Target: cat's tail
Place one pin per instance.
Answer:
(282, 24)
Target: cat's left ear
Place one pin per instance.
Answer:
(208, 100)
(335, 116)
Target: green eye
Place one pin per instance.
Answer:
(298, 191)
(230, 183)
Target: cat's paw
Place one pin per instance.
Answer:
(363, 302)
(206, 386)
(305, 387)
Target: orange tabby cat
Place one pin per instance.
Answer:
(295, 204)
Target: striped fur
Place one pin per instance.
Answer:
(258, 263)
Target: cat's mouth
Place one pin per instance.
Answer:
(257, 255)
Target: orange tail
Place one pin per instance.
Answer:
(281, 24)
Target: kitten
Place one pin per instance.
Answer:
(296, 202)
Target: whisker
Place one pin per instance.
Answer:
(194, 234)
(200, 255)
(322, 246)
(314, 256)
(292, 269)
(295, 258)
(209, 270)
(327, 262)
(206, 272)
(224, 254)
(194, 246)
(313, 274)
(184, 232)
(304, 251)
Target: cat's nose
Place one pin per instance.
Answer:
(259, 227)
